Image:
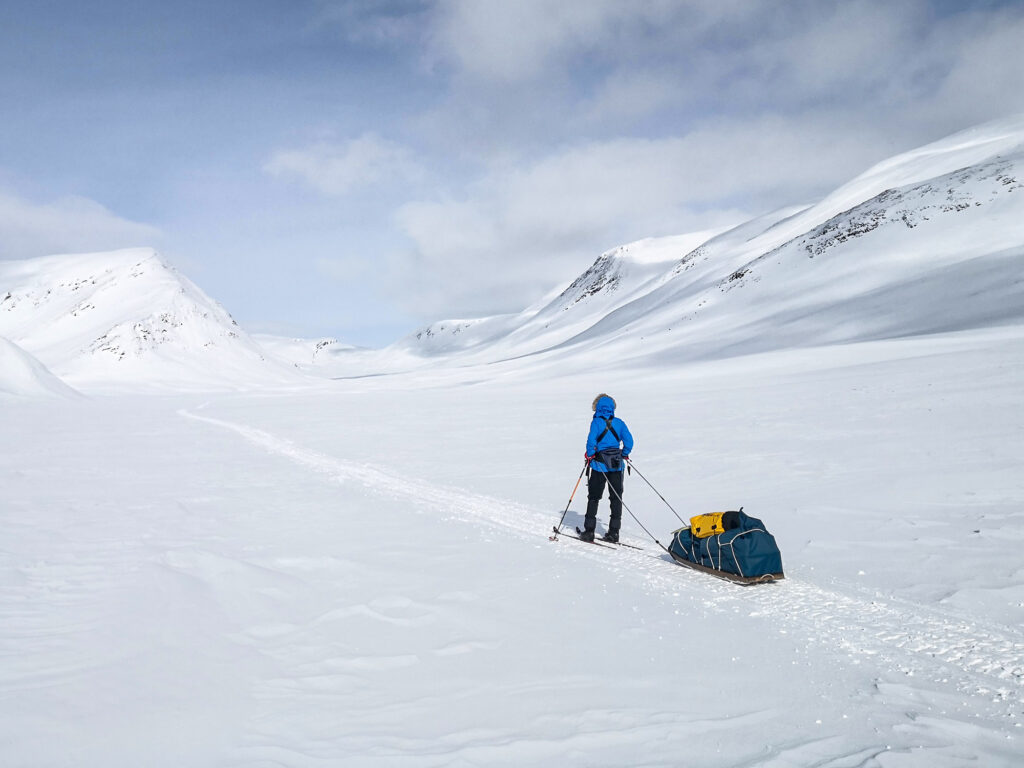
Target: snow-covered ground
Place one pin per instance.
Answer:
(22, 375)
(364, 577)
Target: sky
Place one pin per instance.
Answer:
(359, 169)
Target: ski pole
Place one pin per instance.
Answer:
(655, 490)
(625, 507)
(578, 479)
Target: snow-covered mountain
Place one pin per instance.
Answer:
(930, 240)
(127, 319)
(927, 242)
(23, 375)
(616, 278)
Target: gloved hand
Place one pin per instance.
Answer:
(587, 457)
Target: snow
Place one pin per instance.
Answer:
(249, 568)
(23, 376)
(126, 320)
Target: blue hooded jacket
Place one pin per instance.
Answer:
(606, 410)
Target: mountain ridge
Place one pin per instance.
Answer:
(908, 247)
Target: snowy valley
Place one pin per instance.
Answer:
(234, 550)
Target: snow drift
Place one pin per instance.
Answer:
(24, 376)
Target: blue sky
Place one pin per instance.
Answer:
(359, 169)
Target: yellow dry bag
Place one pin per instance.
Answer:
(713, 523)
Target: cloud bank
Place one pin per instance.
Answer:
(65, 225)
(343, 168)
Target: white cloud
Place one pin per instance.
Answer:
(343, 168)
(66, 225)
(524, 227)
(595, 66)
(633, 94)
(529, 39)
(514, 40)
(985, 78)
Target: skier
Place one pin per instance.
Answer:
(608, 446)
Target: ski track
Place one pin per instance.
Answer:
(899, 635)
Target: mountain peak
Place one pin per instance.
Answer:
(125, 317)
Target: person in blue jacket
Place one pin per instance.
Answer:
(608, 445)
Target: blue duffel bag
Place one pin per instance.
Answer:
(747, 550)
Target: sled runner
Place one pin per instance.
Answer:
(745, 581)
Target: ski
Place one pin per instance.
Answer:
(558, 533)
(617, 543)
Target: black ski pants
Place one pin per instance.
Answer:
(595, 490)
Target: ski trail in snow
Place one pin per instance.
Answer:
(454, 502)
(914, 639)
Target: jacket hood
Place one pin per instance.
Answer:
(605, 407)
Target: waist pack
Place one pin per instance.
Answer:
(713, 523)
(610, 457)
